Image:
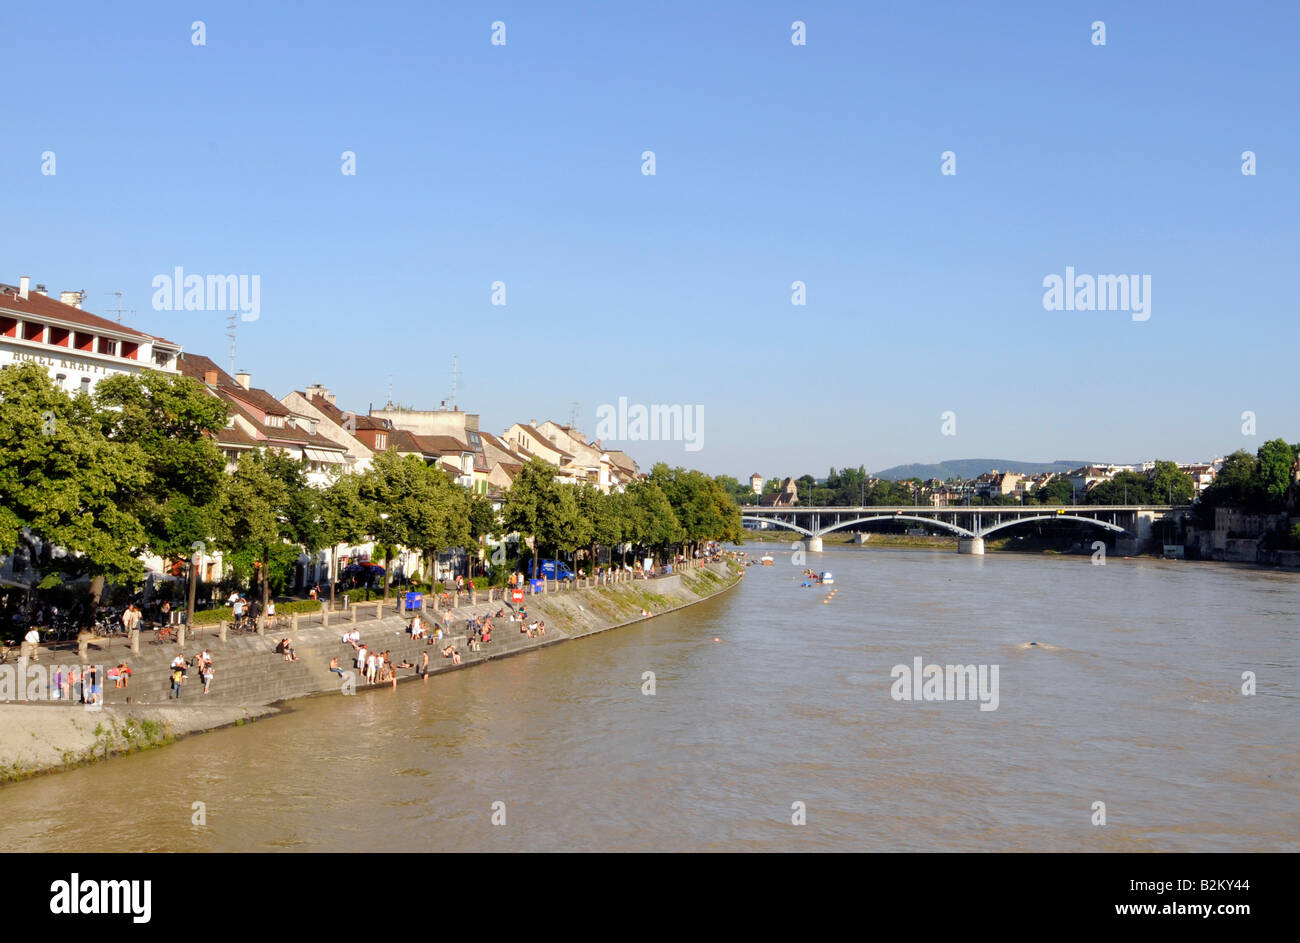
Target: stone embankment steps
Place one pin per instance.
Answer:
(249, 672)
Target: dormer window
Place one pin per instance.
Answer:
(381, 440)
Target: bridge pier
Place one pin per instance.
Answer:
(973, 545)
(814, 545)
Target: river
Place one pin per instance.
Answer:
(1131, 698)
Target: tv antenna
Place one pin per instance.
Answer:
(455, 374)
(575, 414)
(120, 310)
(232, 324)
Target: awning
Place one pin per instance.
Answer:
(320, 455)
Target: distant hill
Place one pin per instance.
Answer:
(973, 468)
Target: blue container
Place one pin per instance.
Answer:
(537, 586)
(415, 600)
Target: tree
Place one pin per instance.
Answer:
(1056, 491)
(482, 518)
(438, 514)
(66, 484)
(1171, 485)
(252, 518)
(656, 524)
(390, 490)
(532, 491)
(1237, 483)
(342, 519)
(1275, 460)
(1126, 487)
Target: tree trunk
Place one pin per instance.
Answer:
(266, 586)
(334, 565)
(388, 568)
(189, 598)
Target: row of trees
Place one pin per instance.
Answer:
(673, 508)
(133, 469)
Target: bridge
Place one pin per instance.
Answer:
(1132, 523)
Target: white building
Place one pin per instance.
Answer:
(77, 348)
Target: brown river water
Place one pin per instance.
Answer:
(1132, 698)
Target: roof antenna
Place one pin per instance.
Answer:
(575, 414)
(120, 309)
(455, 372)
(233, 322)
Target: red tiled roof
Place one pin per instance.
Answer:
(42, 306)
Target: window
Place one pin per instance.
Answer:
(60, 379)
(381, 440)
(162, 358)
(85, 384)
(107, 346)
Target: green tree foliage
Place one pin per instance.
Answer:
(524, 511)
(252, 519)
(1169, 485)
(173, 420)
(65, 483)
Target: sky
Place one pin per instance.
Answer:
(775, 163)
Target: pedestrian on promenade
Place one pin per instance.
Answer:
(178, 678)
(206, 674)
(31, 642)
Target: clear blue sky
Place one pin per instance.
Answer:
(775, 163)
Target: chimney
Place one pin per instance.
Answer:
(316, 391)
(210, 378)
(24, 286)
(243, 378)
(72, 298)
(42, 290)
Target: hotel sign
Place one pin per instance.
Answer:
(73, 363)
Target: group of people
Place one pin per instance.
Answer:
(377, 667)
(80, 684)
(201, 663)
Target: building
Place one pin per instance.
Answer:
(756, 483)
(317, 403)
(77, 348)
(786, 496)
(260, 421)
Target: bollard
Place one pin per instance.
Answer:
(401, 603)
(180, 635)
(324, 615)
(135, 641)
(261, 625)
(352, 613)
(293, 623)
(221, 630)
(473, 593)
(379, 610)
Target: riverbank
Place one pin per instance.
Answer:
(252, 680)
(47, 738)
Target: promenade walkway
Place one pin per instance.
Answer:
(247, 670)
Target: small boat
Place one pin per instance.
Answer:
(827, 578)
(766, 559)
